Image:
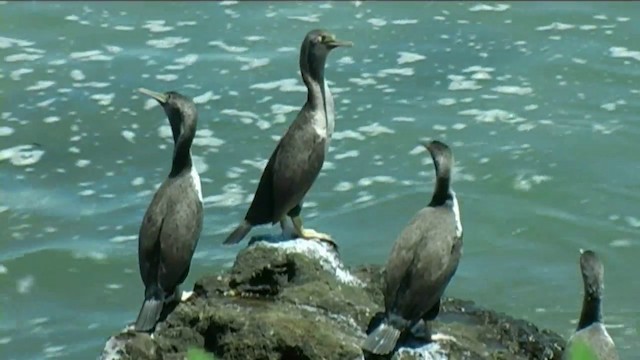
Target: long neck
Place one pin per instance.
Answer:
(312, 70)
(443, 182)
(182, 150)
(591, 311)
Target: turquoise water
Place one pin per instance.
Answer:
(539, 102)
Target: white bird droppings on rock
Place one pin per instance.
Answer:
(321, 251)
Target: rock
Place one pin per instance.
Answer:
(296, 300)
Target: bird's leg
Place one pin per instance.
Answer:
(310, 234)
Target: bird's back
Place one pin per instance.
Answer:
(170, 230)
(423, 260)
(594, 339)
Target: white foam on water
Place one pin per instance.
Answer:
(167, 77)
(22, 57)
(187, 60)
(623, 52)
(447, 101)
(124, 28)
(87, 192)
(113, 49)
(167, 42)
(5, 340)
(525, 183)
(396, 71)
(206, 97)
(347, 154)
(318, 250)
(621, 243)
(103, 99)
(25, 284)
(555, 26)
(128, 135)
(343, 186)
(516, 90)
(367, 181)
(6, 131)
(51, 119)
(485, 7)
(407, 57)
(377, 22)
(41, 85)
(91, 55)
(22, 155)
(232, 195)
(375, 129)
(312, 18)
(208, 141)
(252, 63)
(17, 74)
(284, 85)
(6, 42)
(363, 81)
(157, 26)
(3, 269)
(54, 351)
(347, 134)
(83, 163)
(228, 48)
(404, 22)
(459, 82)
(632, 221)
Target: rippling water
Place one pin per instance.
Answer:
(538, 100)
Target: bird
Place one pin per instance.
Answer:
(298, 157)
(591, 338)
(422, 262)
(172, 223)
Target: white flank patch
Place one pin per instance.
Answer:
(195, 179)
(456, 213)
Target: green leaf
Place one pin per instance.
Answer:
(199, 354)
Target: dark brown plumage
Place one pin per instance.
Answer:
(172, 224)
(423, 260)
(297, 160)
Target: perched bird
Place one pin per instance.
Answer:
(172, 224)
(591, 340)
(298, 158)
(423, 260)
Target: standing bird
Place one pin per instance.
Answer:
(591, 337)
(298, 158)
(172, 224)
(423, 260)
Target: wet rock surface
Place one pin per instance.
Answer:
(295, 300)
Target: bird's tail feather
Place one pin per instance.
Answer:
(150, 312)
(239, 233)
(382, 340)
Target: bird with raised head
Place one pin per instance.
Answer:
(172, 224)
(298, 157)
